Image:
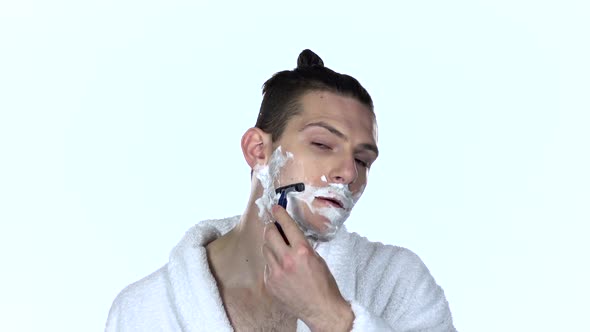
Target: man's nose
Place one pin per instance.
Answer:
(345, 172)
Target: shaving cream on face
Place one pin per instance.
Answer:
(267, 174)
(335, 216)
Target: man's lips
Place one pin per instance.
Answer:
(331, 201)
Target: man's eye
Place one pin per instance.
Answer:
(361, 162)
(321, 146)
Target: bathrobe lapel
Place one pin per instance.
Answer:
(193, 289)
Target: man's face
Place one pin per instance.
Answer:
(333, 142)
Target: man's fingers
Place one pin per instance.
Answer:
(288, 225)
(274, 239)
(269, 256)
(266, 273)
(280, 229)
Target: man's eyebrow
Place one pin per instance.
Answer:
(327, 127)
(370, 147)
(364, 146)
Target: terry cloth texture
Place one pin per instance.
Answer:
(389, 288)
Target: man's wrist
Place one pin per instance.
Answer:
(340, 318)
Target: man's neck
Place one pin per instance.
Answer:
(236, 261)
(236, 258)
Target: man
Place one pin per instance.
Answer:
(277, 269)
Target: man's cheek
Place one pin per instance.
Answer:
(357, 195)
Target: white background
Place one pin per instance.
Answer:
(120, 124)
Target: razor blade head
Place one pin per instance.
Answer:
(299, 187)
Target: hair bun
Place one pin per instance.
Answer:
(308, 59)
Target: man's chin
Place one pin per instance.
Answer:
(318, 224)
(315, 235)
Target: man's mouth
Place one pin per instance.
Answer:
(331, 201)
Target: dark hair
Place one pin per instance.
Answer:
(282, 92)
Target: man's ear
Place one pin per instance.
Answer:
(256, 147)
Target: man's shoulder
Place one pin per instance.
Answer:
(154, 286)
(141, 299)
(394, 281)
(151, 300)
(143, 289)
(369, 252)
(377, 262)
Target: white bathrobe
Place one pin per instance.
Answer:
(389, 288)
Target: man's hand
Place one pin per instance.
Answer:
(299, 278)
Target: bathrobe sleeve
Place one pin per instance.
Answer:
(394, 291)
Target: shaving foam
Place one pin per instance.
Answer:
(334, 215)
(266, 174)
